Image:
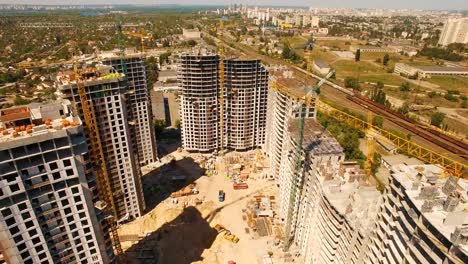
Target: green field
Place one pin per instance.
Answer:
(352, 68)
(386, 78)
(451, 83)
(338, 44)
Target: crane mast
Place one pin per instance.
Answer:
(98, 161)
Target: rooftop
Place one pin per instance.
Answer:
(98, 74)
(25, 122)
(296, 84)
(116, 54)
(316, 139)
(424, 185)
(321, 64)
(441, 69)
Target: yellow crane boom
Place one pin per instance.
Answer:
(98, 161)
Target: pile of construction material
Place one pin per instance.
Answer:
(206, 162)
(260, 216)
(188, 190)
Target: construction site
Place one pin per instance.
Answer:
(215, 209)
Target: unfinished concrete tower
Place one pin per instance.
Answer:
(246, 88)
(143, 136)
(47, 214)
(244, 108)
(110, 100)
(198, 77)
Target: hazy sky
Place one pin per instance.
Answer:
(419, 4)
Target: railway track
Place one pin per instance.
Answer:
(440, 139)
(455, 146)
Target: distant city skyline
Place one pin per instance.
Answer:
(385, 4)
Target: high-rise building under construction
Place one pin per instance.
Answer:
(47, 184)
(133, 65)
(227, 111)
(108, 94)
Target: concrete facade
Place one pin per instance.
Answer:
(422, 218)
(111, 106)
(454, 31)
(245, 97)
(47, 189)
(143, 136)
(246, 87)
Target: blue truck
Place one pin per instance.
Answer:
(221, 195)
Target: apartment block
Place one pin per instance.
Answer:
(319, 149)
(47, 186)
(336, 217)
(281, 108)
(133, 65)
(455, 31)
(422, 219)
(246, 88)
(242, 126)
(111, 102)
(199, 107)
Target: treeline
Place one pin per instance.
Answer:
(347, 136)
(444, 54)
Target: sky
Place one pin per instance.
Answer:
(413, 4)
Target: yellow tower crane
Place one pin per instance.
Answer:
(221, 85)
(370, 145)
(143, 37)
(98, 161)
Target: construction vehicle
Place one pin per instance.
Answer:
(240, 185)
(231, 237)
(221, 195)
(189, 190)
(219, 228)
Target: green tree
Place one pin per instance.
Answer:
(351, 82)
(377, 121)
(386, 58)
(20, 101)
(159, 125)
(405, 87)
(178, 124)
(358, 55)
(437, 119)
(192, 43)
(404, 109)
(286, 53)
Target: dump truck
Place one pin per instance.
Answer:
(221, 195)
(240, 185)
(231, 237)
(185, 191)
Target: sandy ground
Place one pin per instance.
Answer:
(183, 232)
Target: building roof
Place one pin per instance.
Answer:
(297, 84)
(36, 120)
(441, 69)
(321, 64)
(416, 178)
(316, 139)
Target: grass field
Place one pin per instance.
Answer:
(351, 68)
(386, 78)
(338, 44)
(451, 83)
